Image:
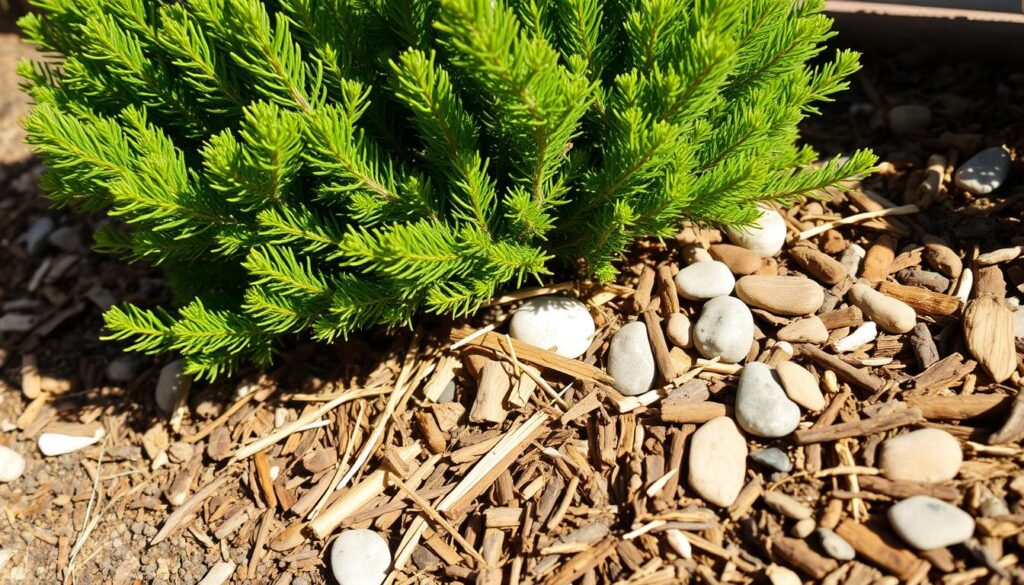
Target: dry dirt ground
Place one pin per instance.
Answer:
(95, 516)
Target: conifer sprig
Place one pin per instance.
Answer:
(326, 166)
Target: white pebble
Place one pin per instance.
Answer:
(561, 324)
(865, 333)
(853, 259)
(985, 171)
(12, 464)
(762, 407)
(360, 557)
(927, 523)
(704, 280)
(963, 288)
(630, 359)
(779, 575)
(171, 386)
(765, 236)
(53, 444)
(679, 543)
(924, 455)
(835, 546)
(725, 329)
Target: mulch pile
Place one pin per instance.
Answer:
(576, 482)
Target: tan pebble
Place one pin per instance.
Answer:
(941, 257)
(999, 256)
(717, 461)
(803, 528)
(809, 330)
(801, 386)
(821, 266)
(989, 280)
(879, 259)
(679, 331)
(929, 455)
(681, 359)
(786, 505)
(779, 575)
(782, 295)
(892, 315)
(740, 261)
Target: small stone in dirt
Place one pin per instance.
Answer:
(779, 575)
(17, 323)
(809, 330)
(35, 237)
(865, 333)
(892, 315)
(927, 523)
(704, 280)
(12, 464)
(561, 324)
(630, 360)
(985, 171)
(834, 545)
(941, 257)
(765, 236)
(929, 455)
(773, 457)
(53, 444)
(909, 119)
(853, 259)
(762, 407)
(740, 260)
(725, 329)
(781, 295)
(448, 394)
(360, 557)
(171, 386)
(219, 573)
(932, 281)
(803, 528)
(679, 543)
(66, 238)
(819, 265)
(717, 463)
(800, 385)
(123, 369)
(679, 331)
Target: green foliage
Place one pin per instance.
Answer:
(322, 166)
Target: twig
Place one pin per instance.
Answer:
(436, 516)
(817, 230)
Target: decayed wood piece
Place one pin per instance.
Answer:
(922, 300)
(860, 217)
(644, 287)
(860, 428)
(797, 554)
(188, 508)
(879, 258)
(536, 356)
(928, 190)
(988, 332)
(879, 550)
(959, 407)
(656, 337)
(1013, 429)
(924, 346)
(847, 372)
(575, 567)
(943, 374)
(905, 489)
(444, 373)
(489, 403)
(667, 291)
(691, 412)
(850, 316)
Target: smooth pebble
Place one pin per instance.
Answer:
(834, 545)
(725, 329)
(809, 330)
(781, 295)
(779, 575)
(985, 171)
(928, 455)
(800, 385)
(774, 458)
(704, 280)
(679, 543)
(123, 369)
(927, 523)
(717, 461)
(765, 235)
(12, 464)
(35, 237)
(679, 331)
(53, 444)
(892, 315)
(360, 557)
(909, 119)
(554, 322)
(762, 407)
(172, 384)
(630, 360)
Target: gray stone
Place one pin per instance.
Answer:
(35, 237)
(774, 458)
(123, 369)
(909, 119)
(172, 384)
(762, 407)
(704, 280)
(561, 324)
(725, 329)
(928, 523)
(12, 464)
(448, 394)
(360, 557)
(630, 359)
(984, 172)
(66, 238)
(834, 545)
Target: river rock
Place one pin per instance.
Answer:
(704, 280)
(928, 523)
(929, 455)
(679, 331)
(762, 407)
(800, 385)
(561, 324)
(123, 368)
(834, 545)
(892, 315)
(819, 265)
(12, 464)
(35, 237)
(630, 359)
(773, 457)
(717, 461)
(172, 384)
(360, 557)
(740, 260)
(909, 119)
(809, 330)
(725, 329)
(985, 171)
(782, 295)
(765, 235)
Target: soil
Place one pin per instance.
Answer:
(98, 515)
